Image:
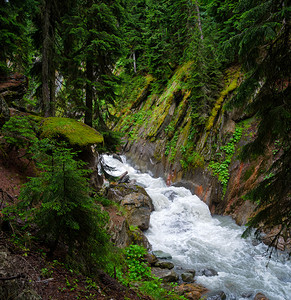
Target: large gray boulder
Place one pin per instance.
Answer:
(138, 208)
(165, 274)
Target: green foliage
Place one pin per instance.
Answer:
(58, 202)
(220, 167)
(137, 268)
(139, 271)
(18, 131)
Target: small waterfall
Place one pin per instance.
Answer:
(183, 226)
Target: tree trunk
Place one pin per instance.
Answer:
(89, 76)
(45, 58)
(134, 61)
(199, 20)
(89, 93)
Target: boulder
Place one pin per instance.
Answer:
(138, 207)
(151, 259)
(165, 274)
(116, 156)
(207, 272)
(260, 296)
(119, 229)
(162, 255)
(215, 295)
(191, 291)
(164, 265)
(117, 192)
(187, 277)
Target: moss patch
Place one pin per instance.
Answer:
(218, 104)
(75, 132)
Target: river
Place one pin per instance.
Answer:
(183, 226)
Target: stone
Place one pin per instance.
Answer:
(260, 296)
(119, 229)
(171, 195)
(151, 259)
(215, 295)
(191, 291)
(162, 255)
(116, 156)
(187, 277)
(138, 208)
(116, 193)
(207, 272)
(165, 274)
(164, 265)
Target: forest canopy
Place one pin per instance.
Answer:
(78, 54)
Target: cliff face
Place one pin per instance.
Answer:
(162, 135)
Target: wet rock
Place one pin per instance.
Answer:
(191, 291)
(164, 265)
(207, 272)
(247, 294)
(215, 295)
(171, 195)
(116, 156)
(165, 274)
(138, 209)
(260, 296)
(119, 229)
(151, 259)
(187, 277)
(162, 255)
(116, 193)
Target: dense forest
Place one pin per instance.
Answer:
(86, 60)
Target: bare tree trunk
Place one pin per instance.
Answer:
(45, 59)
(134, 61)
(199, 20)
(89, 93)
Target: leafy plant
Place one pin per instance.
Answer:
(220, 167)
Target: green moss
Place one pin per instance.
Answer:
(76, 133)
(218, 104)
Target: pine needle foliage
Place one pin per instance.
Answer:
(263, 47)
(58, 202)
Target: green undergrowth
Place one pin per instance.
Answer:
(220, 165)
(136, 273)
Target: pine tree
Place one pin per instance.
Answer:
(263, 45)
(58, 202)
(14, 40)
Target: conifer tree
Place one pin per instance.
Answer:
(14, 50)
(263, 45)
(58, 202)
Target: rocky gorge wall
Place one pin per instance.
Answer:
(160, 136)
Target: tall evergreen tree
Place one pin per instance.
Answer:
(263, 45)
(14, 24)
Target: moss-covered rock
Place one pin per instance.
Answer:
(76, 133)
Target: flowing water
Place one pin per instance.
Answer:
(183, 226)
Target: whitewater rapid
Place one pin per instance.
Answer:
(183, 226)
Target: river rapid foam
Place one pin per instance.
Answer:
(183, 226)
